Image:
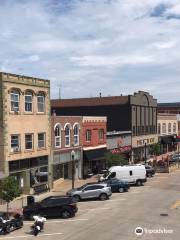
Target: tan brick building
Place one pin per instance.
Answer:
(25, 130)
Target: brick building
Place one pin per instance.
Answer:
(66, 137)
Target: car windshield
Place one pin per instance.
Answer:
(106, 174)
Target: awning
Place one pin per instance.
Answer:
(92, 155)
(167, 140)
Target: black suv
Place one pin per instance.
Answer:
(54, 206)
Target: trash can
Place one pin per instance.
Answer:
(30, 200)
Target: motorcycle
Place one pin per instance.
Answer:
(8, 225)
(38, 225)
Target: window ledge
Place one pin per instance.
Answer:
(41, 113)
(41, 149)
(14, 113)
(28, 150)
(28, 113)
(12, 153)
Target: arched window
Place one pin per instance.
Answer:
(67, 135)
(15, 100)
(28, 101)
(40, 102)
(163, 128)
(57, 133)
(174, 127)
(159, 128)
(169, 127)
(76, 135)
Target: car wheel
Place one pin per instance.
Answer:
(139, 183)
(76, 198)
(66, 214)
(121, 189)
(103, 197)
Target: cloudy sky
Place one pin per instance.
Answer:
(91, 46)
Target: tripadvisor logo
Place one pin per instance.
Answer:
(139, 231)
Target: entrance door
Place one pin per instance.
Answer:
(66, 171)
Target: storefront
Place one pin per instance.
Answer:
(141, 147)
(29, 172)
(62, 165)
(93, 161)
(169, 143)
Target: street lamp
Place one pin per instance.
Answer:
(145, 154)
(72, 159)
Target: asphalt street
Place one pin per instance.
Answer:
(154, 207)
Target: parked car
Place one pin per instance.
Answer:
(53, 206)
(150, 171)
(91, 191)
(133, 174)
(118, 185)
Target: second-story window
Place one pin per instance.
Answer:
(76, 135)
(101, 134)
(88, 135)
(15, 100)
(174, 127)
(41, 140)
(41, 103)
(28, 141)
(67, 136)
(169, 127)
(57, 133)
(163, 128)
(15, 143)
(28, 102)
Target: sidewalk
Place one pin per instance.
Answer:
(60, 188)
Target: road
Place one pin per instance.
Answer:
(155, 207)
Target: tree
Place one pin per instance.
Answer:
(156, 149)
(9, 190)
(115, 159)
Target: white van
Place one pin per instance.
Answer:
(133, 174)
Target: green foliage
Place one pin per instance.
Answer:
(9, 189)
(115, 159)
(155, 149)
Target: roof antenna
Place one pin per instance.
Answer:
(100, 94)
(59, 90)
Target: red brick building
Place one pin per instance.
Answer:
(94, 144)
(66, 137)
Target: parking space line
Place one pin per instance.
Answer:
(30, 236)
(93, 209)
(60, 221)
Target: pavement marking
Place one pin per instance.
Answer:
(93, 209)
(175, 204)
(30, 236)
(120, 199)
(60, 221)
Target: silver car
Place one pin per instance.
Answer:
(91, 191)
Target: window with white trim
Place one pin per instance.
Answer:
(76, 135)
(57, 133)
(15, 101)
(28, 141)
(101, 134)
(67, 136)
(15, 143)
(159, 128)
(41, 140)
(88, 135)
(41, 103)
(28, 102)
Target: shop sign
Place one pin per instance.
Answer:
(121, 150)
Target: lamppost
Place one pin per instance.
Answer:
(145, 154)
(72, 159)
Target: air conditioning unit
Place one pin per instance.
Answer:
(15, 149)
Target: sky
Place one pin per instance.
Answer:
(85, 47)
